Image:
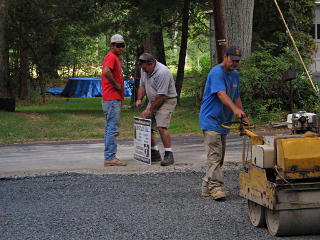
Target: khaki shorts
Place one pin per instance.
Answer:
(162, 117)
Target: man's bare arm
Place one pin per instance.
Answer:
(108, 74)
(141, 94)
(154, 106)
(225, 99)
(157, 102)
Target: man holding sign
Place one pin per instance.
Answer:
(158, 84)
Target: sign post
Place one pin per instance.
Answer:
(142, 140)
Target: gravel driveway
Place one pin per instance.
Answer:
(123, 206)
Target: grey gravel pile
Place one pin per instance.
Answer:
(146, 206)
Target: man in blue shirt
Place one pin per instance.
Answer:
(220, 102)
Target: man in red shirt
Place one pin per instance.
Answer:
(112, 97)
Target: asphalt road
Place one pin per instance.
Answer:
(87, 157)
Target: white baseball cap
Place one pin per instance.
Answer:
(117, 38)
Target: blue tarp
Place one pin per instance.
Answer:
(86, 87)
(54, 91)
(128, 85)
(82, 87)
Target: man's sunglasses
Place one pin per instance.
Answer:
(120, 45)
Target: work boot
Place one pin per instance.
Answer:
(114, 162)
(155, 156)
(218, 194)
(168, 159)
(205, 192)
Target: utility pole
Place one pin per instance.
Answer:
(220, 28)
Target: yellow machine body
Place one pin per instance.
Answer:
(298, 158)
(281, 181)
(255, 186)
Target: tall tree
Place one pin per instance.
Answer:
(37, 35)
(7, 102)
(23, 73)
(239, 15)
(238, 24)
(183, 47)
(153, 42)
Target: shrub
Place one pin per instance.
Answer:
(195, 80)
(263, 92)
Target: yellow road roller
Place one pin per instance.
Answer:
(280, 177)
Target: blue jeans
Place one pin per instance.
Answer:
(111, 110)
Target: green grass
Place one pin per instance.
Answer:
(64, 119)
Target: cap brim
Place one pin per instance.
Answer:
(235, 58)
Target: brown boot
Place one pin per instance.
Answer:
(115, 162)
(205, 192)
(218, 194)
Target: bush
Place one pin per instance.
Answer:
(195, 80)
(264, 94)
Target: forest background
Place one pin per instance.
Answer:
(49, 41)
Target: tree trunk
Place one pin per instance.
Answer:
(74, 70)
(137, 77)
(175, 37)
(183, 47)
(212, 42)
(154, 42)
(42, 85)
(24, 77)
(239, 15)
(7, 102)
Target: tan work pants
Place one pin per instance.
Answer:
(215, 144)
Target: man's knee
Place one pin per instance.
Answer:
(162, 129)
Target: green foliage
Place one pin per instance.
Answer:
(198, 41)
(199, 21)
(195, 80)
(268, 26)
(263, 92)
(40, 30)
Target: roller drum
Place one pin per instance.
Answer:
(293, 222)
(256, 214)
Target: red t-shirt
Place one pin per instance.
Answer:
(108, 90)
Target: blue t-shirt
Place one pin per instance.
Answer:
(213, 112)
